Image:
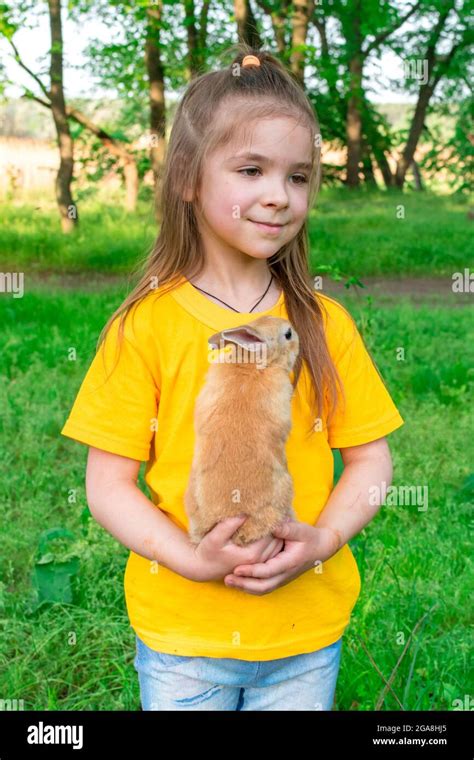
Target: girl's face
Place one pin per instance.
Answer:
(246, 187)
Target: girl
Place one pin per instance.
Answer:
(221, 627)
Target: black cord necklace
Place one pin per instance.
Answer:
(231, 307)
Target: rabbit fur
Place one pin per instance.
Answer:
(242, 419)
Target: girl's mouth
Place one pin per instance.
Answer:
(272, 228)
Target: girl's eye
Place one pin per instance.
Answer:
(249, 169)
(301, 177)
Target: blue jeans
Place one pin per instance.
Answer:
(175, 682)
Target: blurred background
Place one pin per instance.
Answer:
(88, 90)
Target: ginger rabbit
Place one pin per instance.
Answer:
(242, 419)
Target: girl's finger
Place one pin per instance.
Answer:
(292, 530)
(258, 585)
(273, 549)
(268, 569)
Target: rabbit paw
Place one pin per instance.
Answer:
(248, 533)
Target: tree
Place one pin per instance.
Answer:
(149, 54)
(362, 26)
(437, 66)
(115, 147)
(247, 30)
(156, 89)
(365, 27)
(67, 208)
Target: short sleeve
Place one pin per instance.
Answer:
(116, 406)
(368, 411)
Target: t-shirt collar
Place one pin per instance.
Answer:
(211, 314)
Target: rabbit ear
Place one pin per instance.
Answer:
(215, 340)
(245, 337)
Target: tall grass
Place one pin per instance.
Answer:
(366, 233)
(415, 565)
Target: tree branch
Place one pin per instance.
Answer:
(277, 17)
(265, 7)
(321, 27)
(382, 36)
(73, 113)
(203, 23)
(23, 65)
(31, 96)
(446, 61)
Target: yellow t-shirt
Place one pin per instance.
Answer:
(145, 410)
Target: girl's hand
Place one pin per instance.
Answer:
(304, 546)
(217, 555)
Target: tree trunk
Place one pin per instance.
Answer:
(425, 92)
(246, 25)
(354, 122)
(417, 176)
(67, 208)
(278, 17)
(300, 20)
(384, 167)
(377, 143)
(416, 129)
(192, 34)
(156, 81)
(367, 166)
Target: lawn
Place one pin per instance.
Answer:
(415, 564)
(367, 233)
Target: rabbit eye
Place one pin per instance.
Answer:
(288, 334)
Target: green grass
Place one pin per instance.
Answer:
(413, 563)
(108, 239)
(364, 234)
(357, 232)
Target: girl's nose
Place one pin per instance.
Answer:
(275, 194)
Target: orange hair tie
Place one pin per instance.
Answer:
(250, 60)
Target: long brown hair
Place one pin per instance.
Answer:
(214, 106)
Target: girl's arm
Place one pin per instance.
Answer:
(358, 494)
(353, 503)
(118, 504)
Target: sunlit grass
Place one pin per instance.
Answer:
(362, 233)
(413, 563)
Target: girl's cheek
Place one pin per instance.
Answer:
(236, 205)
